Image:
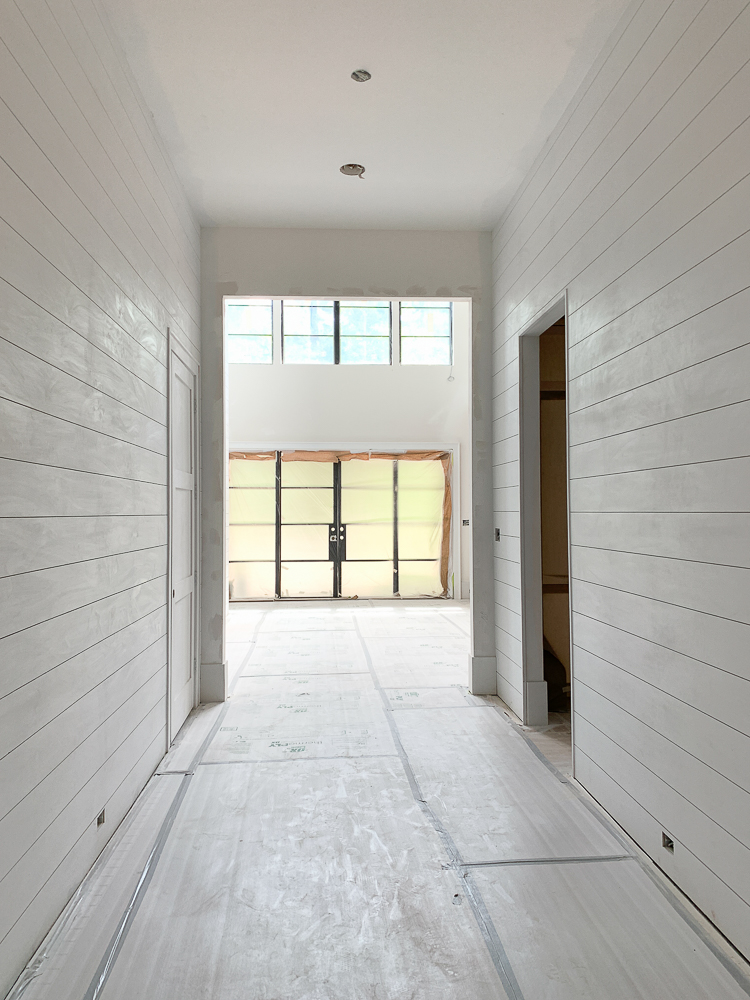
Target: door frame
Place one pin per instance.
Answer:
(185, 353)
(529, 453)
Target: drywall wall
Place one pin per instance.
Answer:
(330, 263)
(98, 256)
(362, 405)
(639, 208)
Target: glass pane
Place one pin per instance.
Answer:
(249, 318)
(367, 506)
(248, 580)
(367, 579)
(365, 351)
(369, 541)
(252, 506)
(249, 329)
(314, 579)
(304, 541)
(308, 332)
(308, 319)
(420, 505)
(422, 475)
(365, 319)
(244, 472)
(307, 474)
(425, 350)
(308, 350)
(251, 541)
(375, 472)
(419, 579)
(425, 319)
(420, 541)
(249, 350)
(306, 506)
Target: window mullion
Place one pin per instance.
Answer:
(336, 334)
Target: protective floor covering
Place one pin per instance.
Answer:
(354, 825)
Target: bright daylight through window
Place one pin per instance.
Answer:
(339, 332)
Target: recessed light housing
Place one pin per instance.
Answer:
(353, 170)
(361, 76)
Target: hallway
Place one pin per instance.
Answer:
(354, 824)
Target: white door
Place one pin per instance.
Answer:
(182, 687)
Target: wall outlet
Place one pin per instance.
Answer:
(667, 843)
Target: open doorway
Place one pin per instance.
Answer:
(544, 521)
(554, 517)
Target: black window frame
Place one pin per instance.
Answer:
(337, 333)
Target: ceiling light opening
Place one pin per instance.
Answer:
(353, 170)
(361, 76)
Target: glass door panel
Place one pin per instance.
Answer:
(304, 541)
(306, 506)
(419, 579)
(367, 519)
(366, 579)
(252, 580)
(307, 579)
(256, 542)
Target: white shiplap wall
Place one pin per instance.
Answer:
(99, 254)
(639, 207)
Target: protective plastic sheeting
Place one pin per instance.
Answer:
(367, 579)
(367, 506)
(307, 474)
(251, 542)
(243, 472)
(376, 473)
(419, 579)
(306, 506)
(251, 580)
(420, 541)
(369, 541)
(252, 506)
(313, 579)
(304, 541)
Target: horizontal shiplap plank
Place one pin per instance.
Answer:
(88, 153)
(89, 359)
(30, 598)
(34, 276)
(27, 434)
(133, 734)
(705, 587)
(606, 188)
(714, 692)
(721, 486)
(730, 858)
(700, 537)
(712, 756)
(43, 760)
(727, 909)
(715, 640)
(32, 543)
(702, 437)
(31, 490)
(29, 923)
(35, 705)
(711, 384)
(27, 380)
(716, 331)
(40, 649)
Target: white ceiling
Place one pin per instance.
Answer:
(255, 102)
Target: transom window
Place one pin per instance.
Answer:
(339, 331)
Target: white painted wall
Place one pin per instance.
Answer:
(330, 263)
(362, 405)
(98, 256)
(639, 206)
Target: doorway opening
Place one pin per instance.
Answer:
(553, 478)
(545, 604)
(327, 524)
